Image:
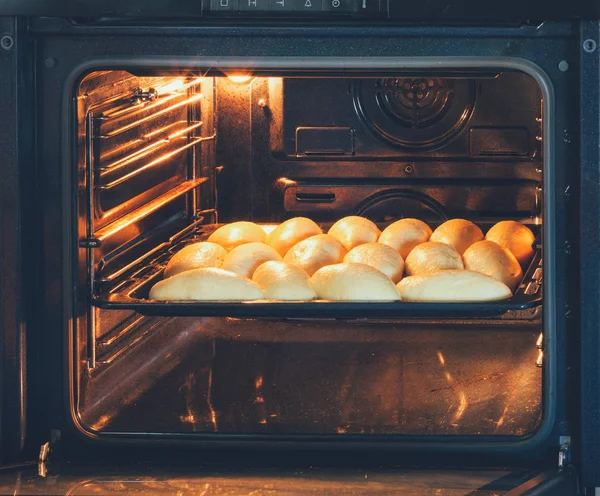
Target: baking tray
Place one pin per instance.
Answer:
(132, 294)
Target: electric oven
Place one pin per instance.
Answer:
(129, 132)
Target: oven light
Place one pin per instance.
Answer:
(240, 78)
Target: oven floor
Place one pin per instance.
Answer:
(270, 378)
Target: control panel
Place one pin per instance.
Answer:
(294, 8)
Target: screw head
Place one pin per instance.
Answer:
(408, 169)
(589, 45)
(563, 66)
(50, 62)
(7, 42)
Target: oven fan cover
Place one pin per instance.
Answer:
(416, 113)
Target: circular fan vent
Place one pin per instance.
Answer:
(415, 113)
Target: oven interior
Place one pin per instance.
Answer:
(163, 157)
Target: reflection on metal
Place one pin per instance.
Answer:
(337, 378)
(148, 208)
(462, 397)
(540, 359)
(213, 413)
(44, 451)
(564, 453)
(188, 480)
(540, 341)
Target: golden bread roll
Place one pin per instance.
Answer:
(244, 259)
(315, 252)
(381, 257)
(404, 234)
(494, 260)
(459, 233)
(208, 284)
(353, 282)
(453, 286)
(353, 231)
(237, 233)
(516, 237)
(430, 257)
(291, 232)
(283, 281)
(196, 256)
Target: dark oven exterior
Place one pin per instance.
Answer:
(38, 273)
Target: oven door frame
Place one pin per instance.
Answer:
(65, 51)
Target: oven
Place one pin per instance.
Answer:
(132, 132)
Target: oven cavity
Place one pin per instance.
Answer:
(164, 159)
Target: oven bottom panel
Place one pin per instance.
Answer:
(192, 376)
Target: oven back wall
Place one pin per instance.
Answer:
(62, 49)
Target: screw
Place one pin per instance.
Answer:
(408, 169)
(563, 66)
(589, 45)
(7, 42)
(50, 62)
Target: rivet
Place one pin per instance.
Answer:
(563, 66)
(50, 62)
(7, 42)
(589, 45)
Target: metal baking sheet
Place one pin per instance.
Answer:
(132, 294)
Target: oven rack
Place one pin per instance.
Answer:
(131, 293)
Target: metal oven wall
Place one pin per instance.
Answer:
(63, 49)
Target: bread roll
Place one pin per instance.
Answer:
(206, 284)
(353, 231)
(315, 252)
(381, 257)
(495, 261)
(459, 233)
(244, 259)
(453, 286)
(237, 233)
(283, 281)
(291, 232)
(516, 237)
(353, 282)
(196, 256)
(404, 234)
(430, 257)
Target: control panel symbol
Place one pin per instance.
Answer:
(308, 4)
(224, 3)
(335, 4)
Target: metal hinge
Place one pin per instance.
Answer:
(564, 452)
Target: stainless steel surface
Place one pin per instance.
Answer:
(180, 480)
(271, 377)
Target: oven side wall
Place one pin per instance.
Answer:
(63, 48)
(16, 177)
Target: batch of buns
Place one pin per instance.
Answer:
(354, 261)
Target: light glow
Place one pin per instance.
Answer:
(240, 78)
